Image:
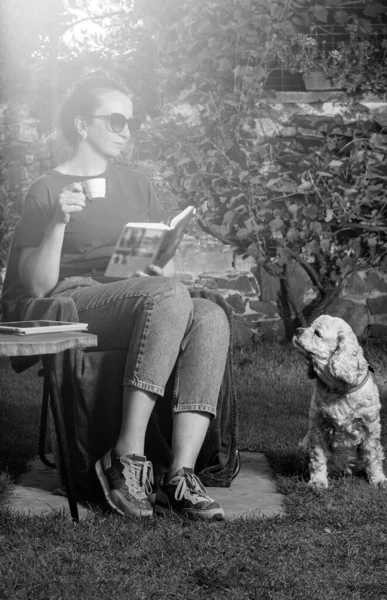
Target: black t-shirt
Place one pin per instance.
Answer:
(91, 234)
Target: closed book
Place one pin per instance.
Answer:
(38, 327)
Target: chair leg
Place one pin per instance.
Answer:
(43, 425)
(238, 464)
(60, 429)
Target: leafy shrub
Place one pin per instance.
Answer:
(323, 205)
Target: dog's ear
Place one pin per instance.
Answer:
(347, 362)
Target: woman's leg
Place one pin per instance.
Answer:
(202, 361)
(137, 407)
(200, 372)
(156, 321)
(201, 367)
(148, 317)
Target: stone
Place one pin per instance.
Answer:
(237, 302)
(266, 308)
(269, 284)
(252, 492)
(267, 128)
(354, 313)
(242, 335)
(251, 319)
(241, 263)
(309, 133)
(208, 282)
(272, 329)
(288, 132)
(380, 116)
(186, 278)
(375, 283)
(378, 305)
(38, 492)
(377, 331)
(199, 258)
(379, 319)
(355, 286)
(243, 284)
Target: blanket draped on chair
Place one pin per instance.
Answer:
(91, 391)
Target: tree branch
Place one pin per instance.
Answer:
(310, 271)
(294, 304)
(92, 18)
(347, 226)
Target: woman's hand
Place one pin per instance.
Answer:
(168, 271)
(150, 271)
(71, 199)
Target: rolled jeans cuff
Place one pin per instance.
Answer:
(143, 385)
(207, 408)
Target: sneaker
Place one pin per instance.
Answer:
(126, 482)
(185, 495)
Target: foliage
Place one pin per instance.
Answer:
(267, 197)
(9, 212)
(357, 65)
(198, 70)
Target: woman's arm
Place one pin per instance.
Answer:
(39, 267)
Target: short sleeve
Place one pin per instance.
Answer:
(34, 219)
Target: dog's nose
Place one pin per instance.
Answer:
(300, 330)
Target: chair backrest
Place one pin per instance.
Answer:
(12, 293)
(12, 287)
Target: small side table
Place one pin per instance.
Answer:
(48, 345)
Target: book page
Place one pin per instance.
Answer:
(143, 244)
(172, 238)
(135, 249)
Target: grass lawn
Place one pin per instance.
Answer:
(329, 545)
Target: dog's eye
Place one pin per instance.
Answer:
(318, 333)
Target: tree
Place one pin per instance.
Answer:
(324, 208)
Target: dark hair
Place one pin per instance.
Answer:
(84, 99)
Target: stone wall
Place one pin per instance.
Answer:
(296, 118)
(301, 119)
(253, 293)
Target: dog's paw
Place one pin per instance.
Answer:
(381, 483)
(303, 446)
(318, 484)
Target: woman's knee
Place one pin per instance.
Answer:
(212, 320)
(174, 297)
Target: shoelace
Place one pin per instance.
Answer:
(140, 476)
(190, 483)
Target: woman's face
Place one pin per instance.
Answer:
(100, 136)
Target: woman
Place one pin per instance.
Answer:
(61, 237)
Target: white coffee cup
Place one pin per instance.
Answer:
(95, 187)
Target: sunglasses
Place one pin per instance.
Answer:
(117, 121)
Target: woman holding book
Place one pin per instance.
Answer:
(65, 244)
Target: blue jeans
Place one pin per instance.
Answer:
(160, 326)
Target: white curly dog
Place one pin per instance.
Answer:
(344, 415)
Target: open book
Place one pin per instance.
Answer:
(144, 244)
